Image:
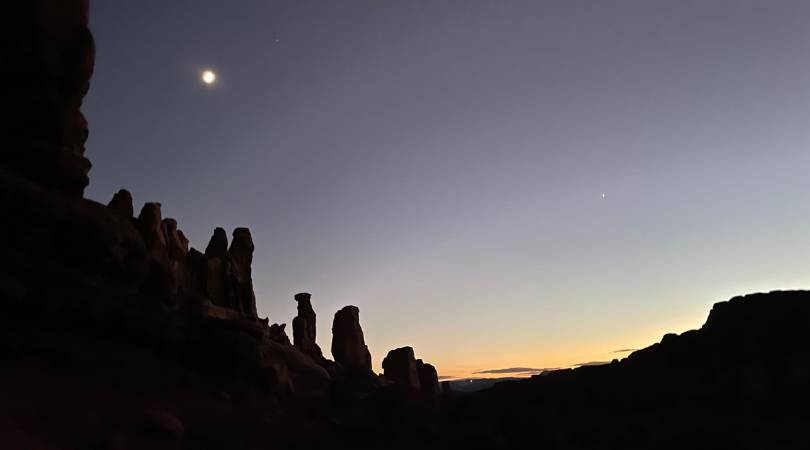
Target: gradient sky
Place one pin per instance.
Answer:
(441, 163)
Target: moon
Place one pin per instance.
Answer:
(208, 77)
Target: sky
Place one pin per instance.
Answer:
(498, 184)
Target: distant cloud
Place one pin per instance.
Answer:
(445, 377)
(624, 350)
(512, 370)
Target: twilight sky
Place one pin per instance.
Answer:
(441, 163)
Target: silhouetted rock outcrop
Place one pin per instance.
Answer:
(348, 344)
(745, 371)
(177, 249)
(122, 203)
(214, 271)
(278, 334)
(304, 331)
(241, 253)
(400, 366)
(218, 245)
(428, 379)
(150, 224)
(48, 64)
(222, 276)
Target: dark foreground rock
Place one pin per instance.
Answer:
(740, 381)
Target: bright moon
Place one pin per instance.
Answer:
(209, 77)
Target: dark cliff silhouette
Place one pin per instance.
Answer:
(116, 333)
(740, 381)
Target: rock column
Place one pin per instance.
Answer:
(304, 327)
(400, 366)
(348, 344)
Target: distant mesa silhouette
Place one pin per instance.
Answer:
(518, 370)
(592, 363)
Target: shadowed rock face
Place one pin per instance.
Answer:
(122, 203)
(428, 379)
(47, 73)
(241, 253)
(278, 334)
(150, 223)
(304, 327)
(736, 382)
(177, 250)
(400, 366)
(221, 275)
(348, 344)
(218, 245)
(215, 271)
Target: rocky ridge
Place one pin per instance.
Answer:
(96, 277)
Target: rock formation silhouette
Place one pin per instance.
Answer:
(122, 203)
(428, 379)
(400, 365)
(348, 344)
(116, 333)
(304, 331)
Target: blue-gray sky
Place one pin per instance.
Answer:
(441, 163)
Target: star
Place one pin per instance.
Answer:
(604, 195)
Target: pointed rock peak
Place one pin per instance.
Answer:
(122, 203)
(218, 245)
